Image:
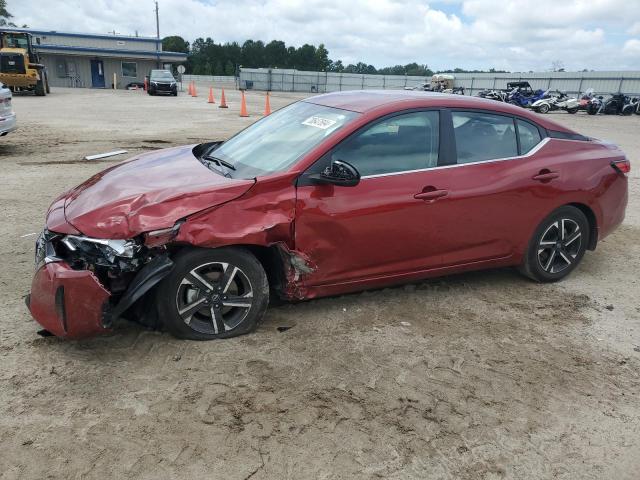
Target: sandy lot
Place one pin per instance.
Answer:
(494, 376)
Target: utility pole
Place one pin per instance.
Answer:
(157, 37)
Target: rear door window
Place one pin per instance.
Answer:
(401, 143)
(528, 134)
(483, 136)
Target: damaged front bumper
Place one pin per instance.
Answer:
(68, 303)
(73, 303)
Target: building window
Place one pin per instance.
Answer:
(130, 69)
(61, 67)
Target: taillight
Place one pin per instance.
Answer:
(621, 166)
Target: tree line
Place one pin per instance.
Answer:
(206, 57)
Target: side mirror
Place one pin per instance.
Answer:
(339, 173)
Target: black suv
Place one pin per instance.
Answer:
(162, 81)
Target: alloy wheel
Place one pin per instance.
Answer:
(559, 245)
(214, 297)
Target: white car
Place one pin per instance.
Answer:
(7, 115)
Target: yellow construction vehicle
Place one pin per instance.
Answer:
(20, 67)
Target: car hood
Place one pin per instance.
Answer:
(148, 192)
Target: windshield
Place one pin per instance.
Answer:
(274, 143)
(15, 40)
(162, 75)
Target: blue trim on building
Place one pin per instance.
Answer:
(87, 35)
(133, 53)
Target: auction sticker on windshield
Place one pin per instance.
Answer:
(319, 122)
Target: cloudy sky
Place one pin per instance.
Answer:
(515, 35)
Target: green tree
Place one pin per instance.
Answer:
(322, 58)
(174, 43)
(275, 54)
(5, 15)
(229, 69)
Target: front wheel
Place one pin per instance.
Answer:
(213, 293)
(544, 108)
(40, 90)
(557, 245)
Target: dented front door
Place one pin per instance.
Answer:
(374, 229)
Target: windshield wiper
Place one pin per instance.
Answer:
(219, 161)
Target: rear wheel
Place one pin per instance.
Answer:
(572, 110)
(213, 293)
(557, 245)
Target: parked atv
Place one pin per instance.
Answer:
(559, 101)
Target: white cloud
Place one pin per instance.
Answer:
(632, 48)
(513, 35)
(634, 29)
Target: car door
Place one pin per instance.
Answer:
(496, 189)
(381, 226)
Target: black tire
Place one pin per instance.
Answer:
(40, 90)
(544, 108)
(552, 255)
(243, 282)
(592, 109)
(46, 84)
(572, 110)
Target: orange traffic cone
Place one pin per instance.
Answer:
(193, 90)
(243, 106)
(211, 98)
(223, 101)
(189, 89)
(267, 106)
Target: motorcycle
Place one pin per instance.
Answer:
(585, 99)
(616, 104)
(516, 97)
(560, 101)
(497, 95)
(632, 105)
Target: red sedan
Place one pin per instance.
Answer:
(332, 194)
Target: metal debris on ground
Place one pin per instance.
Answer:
(105, 155)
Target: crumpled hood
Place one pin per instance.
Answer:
(148, 192)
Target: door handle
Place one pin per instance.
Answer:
(545, 176)
(431, 195)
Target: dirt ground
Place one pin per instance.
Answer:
(478, 376)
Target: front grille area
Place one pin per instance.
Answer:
(12, 63)
(163, 87)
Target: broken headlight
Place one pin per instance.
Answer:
(100, 249)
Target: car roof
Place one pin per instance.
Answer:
(388, 101)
